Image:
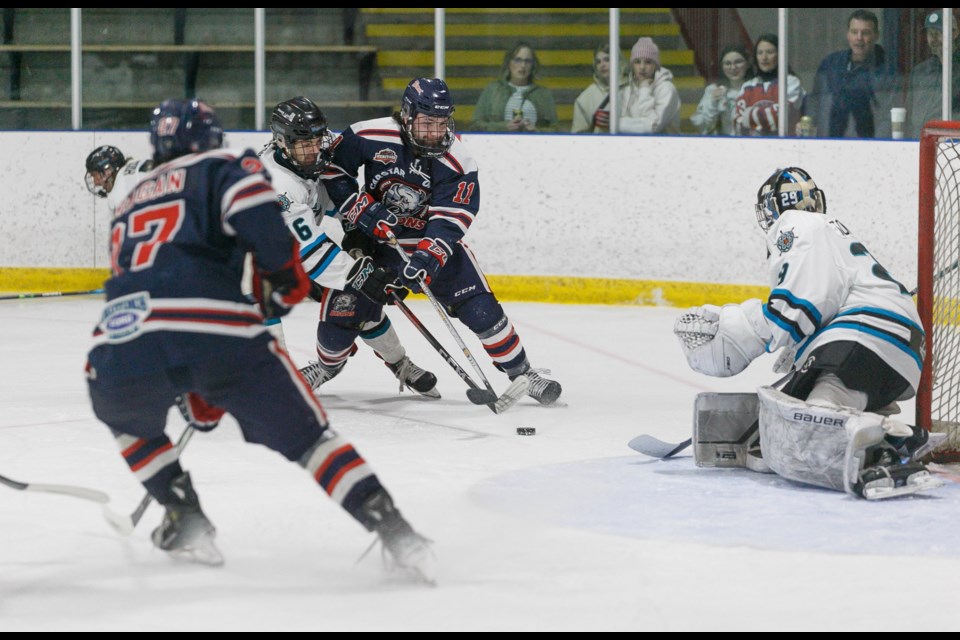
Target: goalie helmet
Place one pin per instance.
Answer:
(103, 165)
(301, 137)
(790, 188)
(433, 135)
(179, 127)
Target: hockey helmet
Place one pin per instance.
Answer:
(301, 136)
(790, 188)
(179, 127)
(430, 97)
(103, 165)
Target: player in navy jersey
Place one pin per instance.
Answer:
(849, 334)
(176, 320)
(420, 184)
(294, 158)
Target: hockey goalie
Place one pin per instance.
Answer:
(850, 338)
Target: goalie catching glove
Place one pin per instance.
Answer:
(375, 283)
(722, 341)
(424, 263)
(278, 291)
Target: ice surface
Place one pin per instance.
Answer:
(567, 530)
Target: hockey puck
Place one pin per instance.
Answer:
(526, 431)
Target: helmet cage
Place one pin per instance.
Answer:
(790, 188)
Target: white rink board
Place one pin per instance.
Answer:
(636, 207)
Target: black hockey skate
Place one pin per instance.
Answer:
(415, 378)
(316, 374)
(887, 477)
(186, 533)
(543, 390)
(405, 550)
(919, 445)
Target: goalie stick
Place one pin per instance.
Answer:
(516, 390)
(125, 525)
(657, 448)
(62, 489)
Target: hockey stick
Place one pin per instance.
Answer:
(656, 448)
(62, 489)
(50, 294)
(477, 397)
(514, 392)
(125, 525)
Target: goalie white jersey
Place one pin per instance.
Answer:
(825, 286)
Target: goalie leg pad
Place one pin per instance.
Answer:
(823, 445)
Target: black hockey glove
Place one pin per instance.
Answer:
(369, 216)
(375, 283)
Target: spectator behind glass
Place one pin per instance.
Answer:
(714, 115)
(590, 110)
(854, 88)
(649, 103)
(926, 80)
(516, 102)
(757, 111)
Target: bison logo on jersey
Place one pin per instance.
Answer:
(403, 199)
(785, 241)
(385, 156)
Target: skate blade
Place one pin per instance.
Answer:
(883, 489)
(199, 552)
(433, 394)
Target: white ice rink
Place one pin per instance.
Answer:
(567, 530)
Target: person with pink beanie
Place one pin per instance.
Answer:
(650, 103)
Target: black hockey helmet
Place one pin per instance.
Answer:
(179, 127)
(790, 188)
(299, 120)
(106, 161)
(430, 97)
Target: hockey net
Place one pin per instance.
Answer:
(938, 283)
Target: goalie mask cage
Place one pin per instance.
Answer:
(938, 283)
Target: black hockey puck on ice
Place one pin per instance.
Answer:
(526, 431)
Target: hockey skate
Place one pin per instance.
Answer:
(186, 533)
(415, 378)
(316, 374)
(889, 478)
(920, 444)
(543, 390)
(405, 551)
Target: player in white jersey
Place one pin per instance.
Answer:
(294, 158)
(849, 333)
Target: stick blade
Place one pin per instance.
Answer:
(481, 396)
(656, 448)
(120, 523)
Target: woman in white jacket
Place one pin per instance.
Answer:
(650, 103)
(714, 115)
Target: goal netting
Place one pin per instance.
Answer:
(938, 283)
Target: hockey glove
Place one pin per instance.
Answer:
(375, 283)
(197, 412)
(424, 264)
(369, 216)
(279, 291)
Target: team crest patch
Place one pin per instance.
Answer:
(785, 241)
(344, 304)
(123, 318)
(385, 156)
(284, 201)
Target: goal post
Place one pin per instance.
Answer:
(938, 282)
